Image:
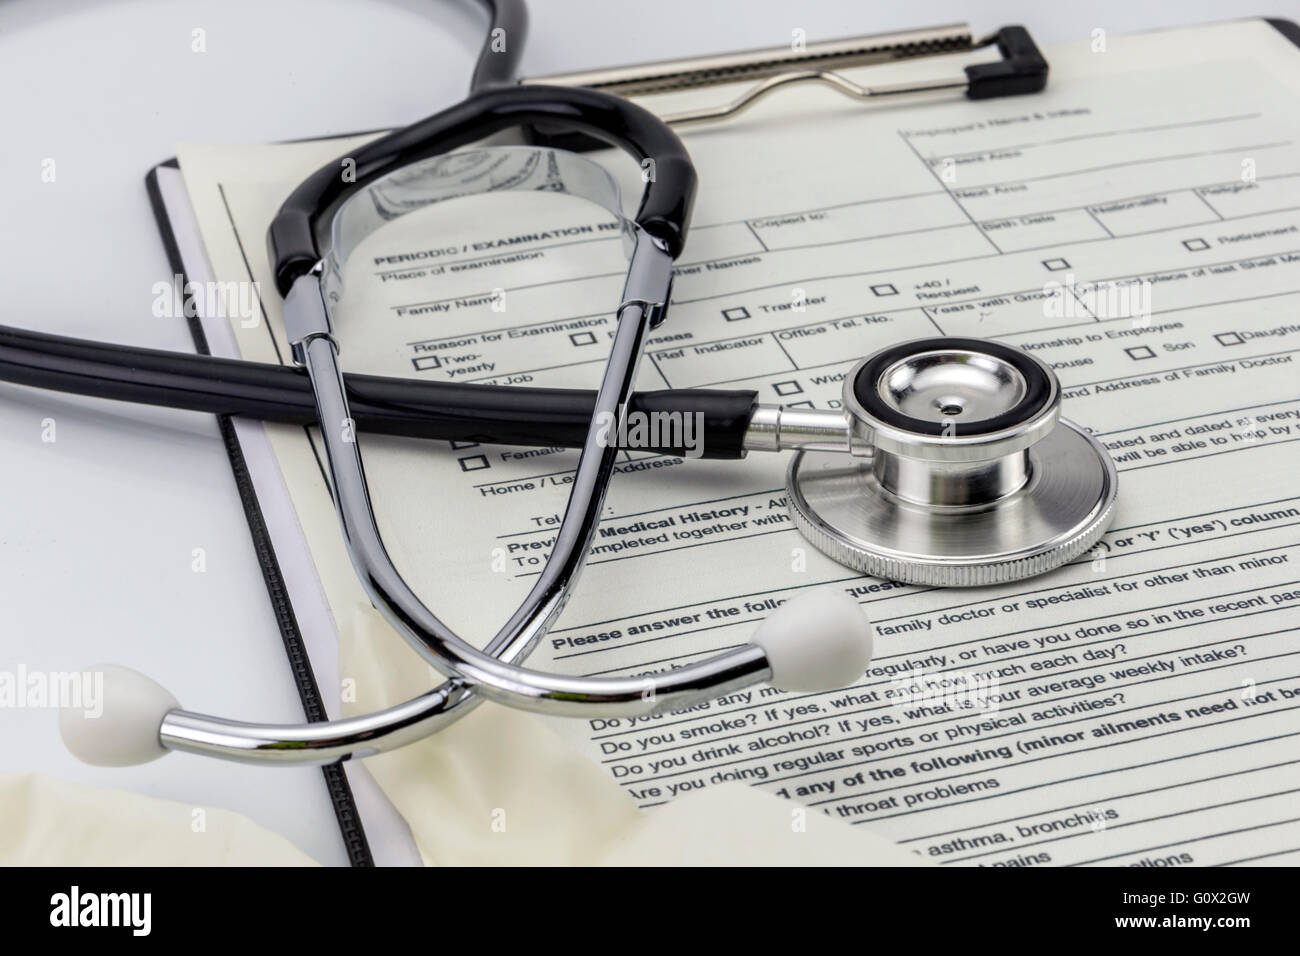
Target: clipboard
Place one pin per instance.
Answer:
(1021, 69)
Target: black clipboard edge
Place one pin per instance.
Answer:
(304, 678)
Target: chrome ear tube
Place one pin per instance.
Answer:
(949, 466)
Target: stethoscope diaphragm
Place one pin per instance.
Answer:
(963, 473)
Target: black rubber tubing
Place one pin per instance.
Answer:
(492, 414)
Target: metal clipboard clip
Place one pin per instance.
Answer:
(1022, 69)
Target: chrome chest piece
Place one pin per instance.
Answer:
(961, 472)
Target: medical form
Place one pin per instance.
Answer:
(1136, 226)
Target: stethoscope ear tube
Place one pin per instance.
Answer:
(303, 270)
(492, 673)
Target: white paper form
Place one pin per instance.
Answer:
(1137, 226)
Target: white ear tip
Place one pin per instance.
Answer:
(820, 640)
(116, 722)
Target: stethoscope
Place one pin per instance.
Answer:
(947, 465)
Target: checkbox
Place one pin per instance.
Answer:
(885, 288)
(1139, 352)
(788, 388)
(582, 338)
(458, 445)
(736, 313)
(803, 404)
(474, 463)
(424, 363)
(1228, 338)
(1055, 265)
(1195, 245)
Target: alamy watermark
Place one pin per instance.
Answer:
(67, 690)
(958, 691)
(76, 908)
(179, 299)
(1128, 299)
(683, 432)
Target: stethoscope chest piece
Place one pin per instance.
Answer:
(962, 473)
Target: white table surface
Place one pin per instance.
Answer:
(97, 529)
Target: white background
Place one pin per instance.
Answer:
(97, 529)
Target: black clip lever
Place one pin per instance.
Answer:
(1021, 70)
